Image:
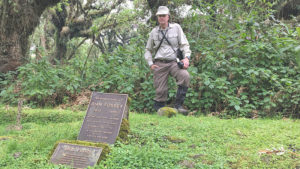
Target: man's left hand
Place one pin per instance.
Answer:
(186, 63)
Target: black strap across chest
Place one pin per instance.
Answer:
(164, 37)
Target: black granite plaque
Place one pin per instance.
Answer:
(76, 156)
(103, 118)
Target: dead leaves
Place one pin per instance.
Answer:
(17, 155)
(238, 132)
(279, 151)
(14, 127)
(187, 164)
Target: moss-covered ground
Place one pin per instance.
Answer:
(156, 142)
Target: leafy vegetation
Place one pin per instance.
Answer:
(245, 66)
(244, 63)
(159, 142)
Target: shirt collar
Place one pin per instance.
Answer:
(169, 27)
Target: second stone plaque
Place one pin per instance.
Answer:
(76, 156)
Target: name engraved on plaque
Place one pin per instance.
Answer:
(97, 111)
(103, 118)
(109, 105)
(76, 156)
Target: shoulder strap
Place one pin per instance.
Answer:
(164, 37)
(159, 45)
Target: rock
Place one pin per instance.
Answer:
(167, 111)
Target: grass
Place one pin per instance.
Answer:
(157, 142)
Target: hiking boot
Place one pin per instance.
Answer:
(180, 96)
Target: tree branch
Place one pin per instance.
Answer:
(73, 52)
(106, 10)
(40, 5)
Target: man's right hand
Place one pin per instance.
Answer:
(152, 67)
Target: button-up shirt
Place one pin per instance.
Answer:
(175, 36)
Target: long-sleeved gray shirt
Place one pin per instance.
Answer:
(175, 36)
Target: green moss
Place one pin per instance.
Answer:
(124, 131)
(129, 99)
(104, 146)
(167, 111)
(126, 112)
(5, 138)
(174, 139)
(173, 147)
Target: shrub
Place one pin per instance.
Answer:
(243, 64)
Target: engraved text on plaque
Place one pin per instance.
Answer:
(75, 155)
(103, 118)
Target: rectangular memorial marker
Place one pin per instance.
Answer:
(103, 118)
(76, 156)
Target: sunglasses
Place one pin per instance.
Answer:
(162, 16)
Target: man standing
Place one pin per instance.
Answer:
(164, 41)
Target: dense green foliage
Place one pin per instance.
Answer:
(159, 142)
(243, 64)
(8, 115)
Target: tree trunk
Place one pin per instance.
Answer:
(287, 9)
(18, 21)
(60, 48)
(11, 53)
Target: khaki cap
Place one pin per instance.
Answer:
(162, 10)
